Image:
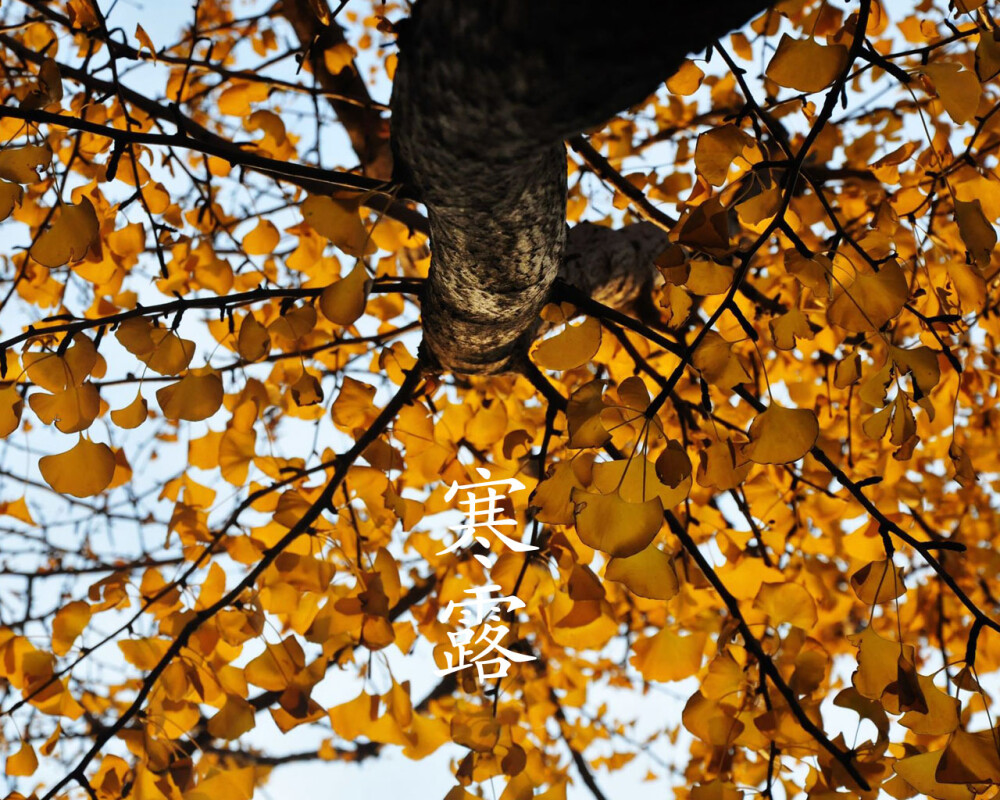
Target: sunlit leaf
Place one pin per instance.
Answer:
(919, 771)
(648, 573)
(978, 234)
(344, 301)
(253, 342)
(805, 64)
(22, 763)
(969, 758)
(339, 221)
(958, 89)
(20, 164)
(70, 236)
(878, 582)
(68, 623)
(11, 195)
(571, 347)
(84, 470)
(194, 397)
(11, 406)
(871, 300)
(715, 359)
(609, 523)
(132, 415)
(787, 602)
(234, 719)
(262, 239)
(781, 435)
(667, 656)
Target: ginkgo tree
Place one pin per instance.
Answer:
(736, 343)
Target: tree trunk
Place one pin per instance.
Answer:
(485, 93)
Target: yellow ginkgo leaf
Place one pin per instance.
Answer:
(941, 717)
(969, 758)
(82, 471)
(194, 397)
(11, 195)
(236, 100)
(343, 301)
(269, 122)
(54, 372)
(338, 57)
(171, 354)
(49, 745)
(11, 406)
(787, 602)
(988, 55)
(353, 407)
(708, 277)
(583, 415)
(781, 435)
(716, 150)
(813, 273)
(571, 347)
(144, 41)
(132, 415)
(717, 362)
(307, 391)
(919, 770)
(262, 239)
(976, 231)
(958, 88)
(607, 522)
(877, 662)
(668, 656)
(673, 465)
(686, 80)
(276, 666)
(234, 719)
(339, 221)
(72, 409)
(144, 653)
(236, 451)
(253, 341)
(68, 624)
(69, 238)
(636, 481)
(135, 335)
(23, 763)
(721, 467)
(649, 573)
(806, 65)
(295, 324)
(878, 582)
(20, 164)
(789, 327)
(871, 300)
(162, 350)
(716, 790)
(712, 721)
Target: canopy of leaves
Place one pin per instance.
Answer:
(225, 462)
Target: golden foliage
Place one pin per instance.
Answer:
(771, 483)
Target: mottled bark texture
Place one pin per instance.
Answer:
(615, 266)
(484, 95)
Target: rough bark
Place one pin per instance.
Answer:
(485, 93)
(614, 266)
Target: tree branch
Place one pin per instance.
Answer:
(484, 95)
